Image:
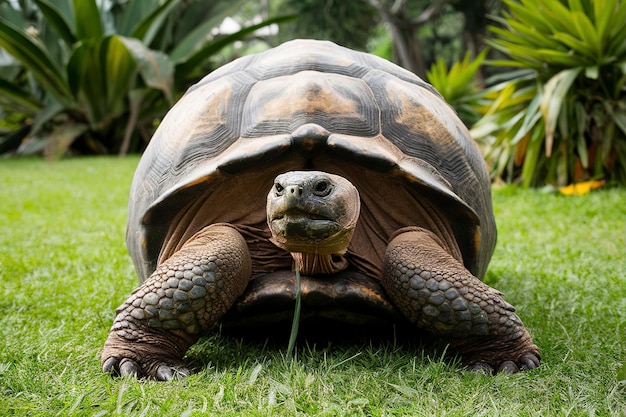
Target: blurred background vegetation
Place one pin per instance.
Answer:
(540, 83)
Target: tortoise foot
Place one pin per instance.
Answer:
(155, 355)
(182, 300)
(493, 356)
(438, 294)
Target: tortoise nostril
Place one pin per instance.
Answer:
(295, 188)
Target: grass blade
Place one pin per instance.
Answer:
(296, 316)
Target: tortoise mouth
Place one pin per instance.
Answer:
(300, 214)
(302, 225)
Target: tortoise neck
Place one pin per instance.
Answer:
(314, 263)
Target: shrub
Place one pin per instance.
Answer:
(459, 85)
(95, 77)
(561, 116)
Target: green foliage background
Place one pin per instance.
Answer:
(98, 78)
(561, 117)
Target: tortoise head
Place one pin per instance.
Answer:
(312, 212)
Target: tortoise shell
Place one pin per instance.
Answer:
(310, 105)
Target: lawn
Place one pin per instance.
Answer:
(64, 268)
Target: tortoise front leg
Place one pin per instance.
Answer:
(437, 293)
(178, 303)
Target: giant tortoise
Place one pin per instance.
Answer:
(316, 157)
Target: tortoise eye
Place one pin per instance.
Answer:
(322, 188)
(279, 188)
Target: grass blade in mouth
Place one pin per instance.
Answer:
(296, 316)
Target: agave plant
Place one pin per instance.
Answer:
(95, 77)
(561, 117)
(459, 85)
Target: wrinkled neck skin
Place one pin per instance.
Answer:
(314, 263)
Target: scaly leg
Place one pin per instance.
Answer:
(437, 293)
(177, 304)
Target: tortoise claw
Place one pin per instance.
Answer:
(120, 367)
(525, 363)
(168, 373)
(508, 367)
(528, 362)
(110, 366)
(155, 358)
(491, 355)
(128, 367)
(481, 367)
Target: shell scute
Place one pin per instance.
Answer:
(336, 102)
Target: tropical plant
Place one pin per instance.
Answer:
(459, 85)
(95, 77)
(348, 23)
(561, 116)
(421, 31)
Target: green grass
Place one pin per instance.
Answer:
(64, 268)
